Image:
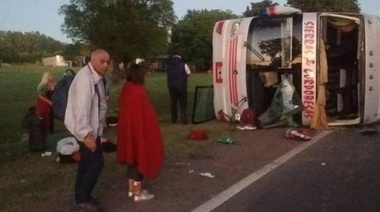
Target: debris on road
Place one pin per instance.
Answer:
(226, 140)
(46, 154)
(368, 131)
(207, 174)
(197, 135)
(300, 134)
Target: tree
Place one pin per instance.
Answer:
(73, 53)
(273, 48)
(257, 7)
(127, 29)
(192, 36)
(27, 47)
(326, 5)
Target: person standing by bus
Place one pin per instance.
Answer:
(177, 73)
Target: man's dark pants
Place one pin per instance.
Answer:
(178, 95)
(89, 170)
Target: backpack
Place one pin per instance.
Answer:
(59, 97)
(33, 131)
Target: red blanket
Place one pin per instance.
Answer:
(139, 138)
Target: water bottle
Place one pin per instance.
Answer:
(226, 140)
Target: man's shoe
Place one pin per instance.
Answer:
(240, 127)
(87, 207)
(249, 127)
(145, 195)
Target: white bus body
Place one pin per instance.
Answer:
(250, 55)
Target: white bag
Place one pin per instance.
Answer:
(67, 146)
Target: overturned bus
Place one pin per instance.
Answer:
(333, 60)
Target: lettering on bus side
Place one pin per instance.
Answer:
(309, 53)
(308, 96)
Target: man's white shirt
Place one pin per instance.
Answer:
(85, 112)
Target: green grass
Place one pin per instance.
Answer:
(30, 182)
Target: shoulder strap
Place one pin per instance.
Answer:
(96, 88)
(69, 71)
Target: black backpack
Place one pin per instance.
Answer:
(59, 97)
(33, 131)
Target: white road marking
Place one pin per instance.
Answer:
(233, 190)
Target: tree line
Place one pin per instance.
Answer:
(27, 47)
(131, 29)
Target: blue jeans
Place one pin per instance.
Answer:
(89, 170)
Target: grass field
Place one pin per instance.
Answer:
(30, 182)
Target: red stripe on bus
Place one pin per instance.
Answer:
(230, 68)
(234, 72)
(232, 97)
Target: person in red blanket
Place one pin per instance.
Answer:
(139, 141)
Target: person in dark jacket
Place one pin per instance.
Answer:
(177, 74)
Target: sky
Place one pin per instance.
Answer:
(42, 15)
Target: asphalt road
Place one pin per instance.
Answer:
(336, 171)
(341, 172)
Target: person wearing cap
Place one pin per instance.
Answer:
(177, 74)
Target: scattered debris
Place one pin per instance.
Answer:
(197, 135)
(300, 134)
(207, 174)
(226, 140)
(368, 131)
(191, 171)
(46, 154)
(323, 164)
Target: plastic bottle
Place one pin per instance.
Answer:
(226, 140)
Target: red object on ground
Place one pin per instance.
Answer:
(297, 134)
(197, 135)
(304, 131)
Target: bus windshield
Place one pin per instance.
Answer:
(275, 42)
